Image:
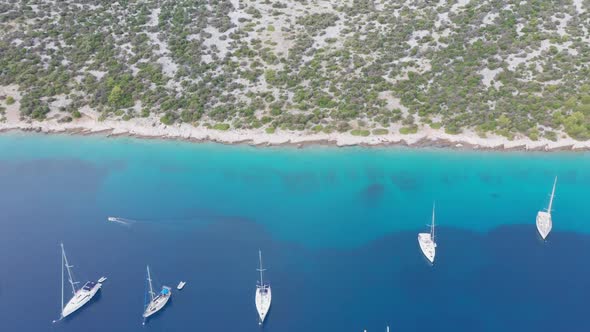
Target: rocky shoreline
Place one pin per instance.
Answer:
(301, 140)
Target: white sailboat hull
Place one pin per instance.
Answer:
(263, 300)
(544, 224)
(427, 246)
(79, 299)
(157, 304)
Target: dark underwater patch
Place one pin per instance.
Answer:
(300, 181)
(373, 192)
(489, 178)
(51, 175)
(405, 181)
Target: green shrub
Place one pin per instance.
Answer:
(550, 135)
(314, 23)
(167, 119)
(506, 133)
(270, 130)
(576, 127)
(360, 132)
(343, 126)
(118, 98)
(9, 100)
(583, 108)
(221, 126)
(317, 128)
(408, 130)
(380, 131)
(533, 134)
(452, 129)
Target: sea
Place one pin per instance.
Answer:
(337, 228)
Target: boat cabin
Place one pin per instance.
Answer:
(89, 286)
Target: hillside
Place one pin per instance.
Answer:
(368, 68)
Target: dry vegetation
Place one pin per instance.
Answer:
(504, 67)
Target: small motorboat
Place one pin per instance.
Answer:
(181, 285)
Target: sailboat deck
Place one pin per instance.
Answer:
(89, 286)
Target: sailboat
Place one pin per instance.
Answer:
(426, 241)
(263, 294)
(157, 302)
(80, 296)
(544, 222)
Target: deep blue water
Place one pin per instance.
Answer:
(337, 228)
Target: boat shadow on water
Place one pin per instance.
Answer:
(159, 313)
(425, 260)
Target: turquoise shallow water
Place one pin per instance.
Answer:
(337, 225)
(347, 196)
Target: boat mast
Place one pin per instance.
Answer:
(552, 194)
(68, 266)
(62, 279)
(260, 269)
(432, 225)
(149, 278)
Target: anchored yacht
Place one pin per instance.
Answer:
(263, 294)
(80, 296)
(157, 302)
(544, 222)
(426, 241)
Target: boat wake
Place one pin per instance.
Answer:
(170, 222)
(122, 221)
